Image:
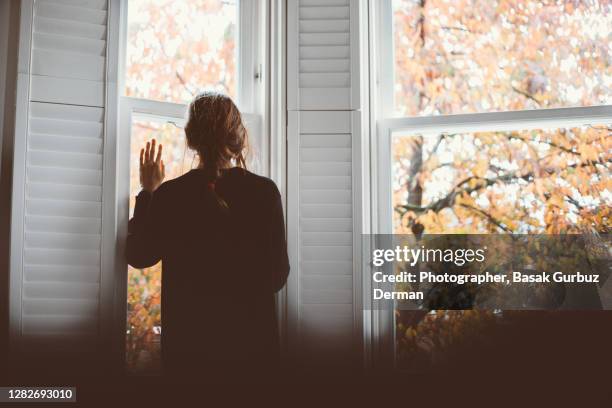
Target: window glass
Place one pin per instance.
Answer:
(544, 181)
(479, 55)
(178, 48)
(144, 285)
(533, 181)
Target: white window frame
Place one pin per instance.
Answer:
(253, 73)
(382, 75)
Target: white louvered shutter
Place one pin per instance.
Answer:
(60, 278)
(323, 55)
(324, 139)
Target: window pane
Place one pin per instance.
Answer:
(144, 286)
(545, 181)
(481, 55)
(177, 48)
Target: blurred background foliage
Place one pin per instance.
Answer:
(469, 56)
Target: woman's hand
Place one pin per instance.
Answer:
(152, 170)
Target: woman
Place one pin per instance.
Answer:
(219, 232)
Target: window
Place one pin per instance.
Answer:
(174, 50)
(493, 117)
(484, 56)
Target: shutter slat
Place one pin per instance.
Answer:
(71, 113)
(324, 13)
(61, 325)
(66, 12)
(38, 256)
(69, 28)
(325, 253)
(315, 3)
(325, 196)
(321, 52)
(65, 307)
(67, 91)
(325, 154)
(326, 224)
(64, 176)
(325, 169)
(326, 238)
(323, 39)
(61, 290)
(325, 79)
(66, 144)
(330, 282)
(325, 140)
(71, 44)
(63, 208)
(66, 225)
(326, 211)
(63, 192)
(324, 26)
(324, 65)
(63, 273)
(326, 268)
(324, 296)
(62, 64)
(325, 122)
(66, 127)
(65, 160)
(46, 240)
(325, 98)
(326, 182)
(94, 4)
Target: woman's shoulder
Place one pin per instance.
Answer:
(251, 180)
(236, 176)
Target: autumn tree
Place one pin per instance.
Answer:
(468, 56)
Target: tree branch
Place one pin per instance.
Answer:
(552, 144)
(455, 28)
(185, 85)
(449, 200)
(526, 95)
(488, 216)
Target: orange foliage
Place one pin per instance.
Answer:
(466, 56)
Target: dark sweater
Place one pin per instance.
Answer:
(221, 268)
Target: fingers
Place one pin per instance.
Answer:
(159, 154)
(152, 153)
(147, 154)
(163, 170)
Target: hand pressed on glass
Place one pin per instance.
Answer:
(152, 169)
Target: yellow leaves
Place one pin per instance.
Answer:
(480, 170)
(144, 311)
(410, 333)
(557, 201)
(464, 199)
(588, 152)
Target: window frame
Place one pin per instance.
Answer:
(382, 61)
(252, 82)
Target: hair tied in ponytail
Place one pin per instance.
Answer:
(216, 132)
